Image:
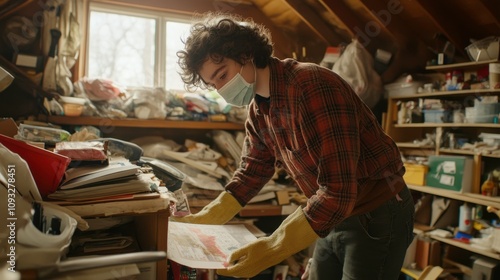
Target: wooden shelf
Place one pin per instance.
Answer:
(467, 197)
(434, 125)
(419, 274)
(450, 93)
(464, 65)
(457, 152)
(413, 145)
(490, 155)
(413, 273)
(139, 123)
(467, 247)
(467, 152)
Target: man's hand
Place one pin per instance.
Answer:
(218, 212)
(293, 235)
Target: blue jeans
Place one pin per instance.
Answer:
(368, 246)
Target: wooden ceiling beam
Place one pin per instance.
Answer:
(449, 28)
(492, 7)
(313, 21)
(351, 21)
(388, 20)
(387, 24)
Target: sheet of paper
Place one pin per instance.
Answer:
(205, 246)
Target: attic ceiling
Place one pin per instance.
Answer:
(412, 30)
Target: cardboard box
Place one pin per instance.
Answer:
(29, 61)
(450, 172)
(415, 174)
(485, 269)
(8, 127)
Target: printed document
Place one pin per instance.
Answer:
(205, 246)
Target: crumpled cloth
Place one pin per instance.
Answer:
(100, 89)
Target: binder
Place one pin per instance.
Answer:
(428, 252)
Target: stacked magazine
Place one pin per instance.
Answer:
(120, 177)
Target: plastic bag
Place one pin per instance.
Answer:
(149, 103)
(355, 65)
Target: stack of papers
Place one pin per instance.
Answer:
(120, 177)
(91, 175)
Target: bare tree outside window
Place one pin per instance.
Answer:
(134, 49)
(122, 48)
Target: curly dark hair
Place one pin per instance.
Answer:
(218, 36)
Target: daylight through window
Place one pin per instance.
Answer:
(134, 48)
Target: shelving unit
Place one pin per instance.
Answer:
(466, 197)
(464, 65)
(130, 128)
(468, 247)
(404, 135)
(138, 123)
(150, 218)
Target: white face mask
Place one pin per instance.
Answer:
(237, 91)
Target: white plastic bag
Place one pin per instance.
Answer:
(355, 65)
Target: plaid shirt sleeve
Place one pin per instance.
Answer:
(257, 165)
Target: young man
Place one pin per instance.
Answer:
(306, 119)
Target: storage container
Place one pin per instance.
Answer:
(496, 240)
(480, 119)
(415, 174)
(44, 134)
(38, 249)
(72, 110)
(437, 116)
(490, 138)
(450, 172)
(402, 89)
(72, 106)
(46, 167)
(494, 75)
(485, 49)
(487, 108)
(482, 112)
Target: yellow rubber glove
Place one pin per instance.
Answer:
(218, 212)
(292, 236)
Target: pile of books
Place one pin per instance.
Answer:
(117, 179)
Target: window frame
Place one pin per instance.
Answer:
(161, 17)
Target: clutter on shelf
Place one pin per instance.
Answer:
(97, 168)
(103, 98)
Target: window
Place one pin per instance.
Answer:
(135, 48)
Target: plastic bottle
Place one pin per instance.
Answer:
(488, 187)
(465, 219)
